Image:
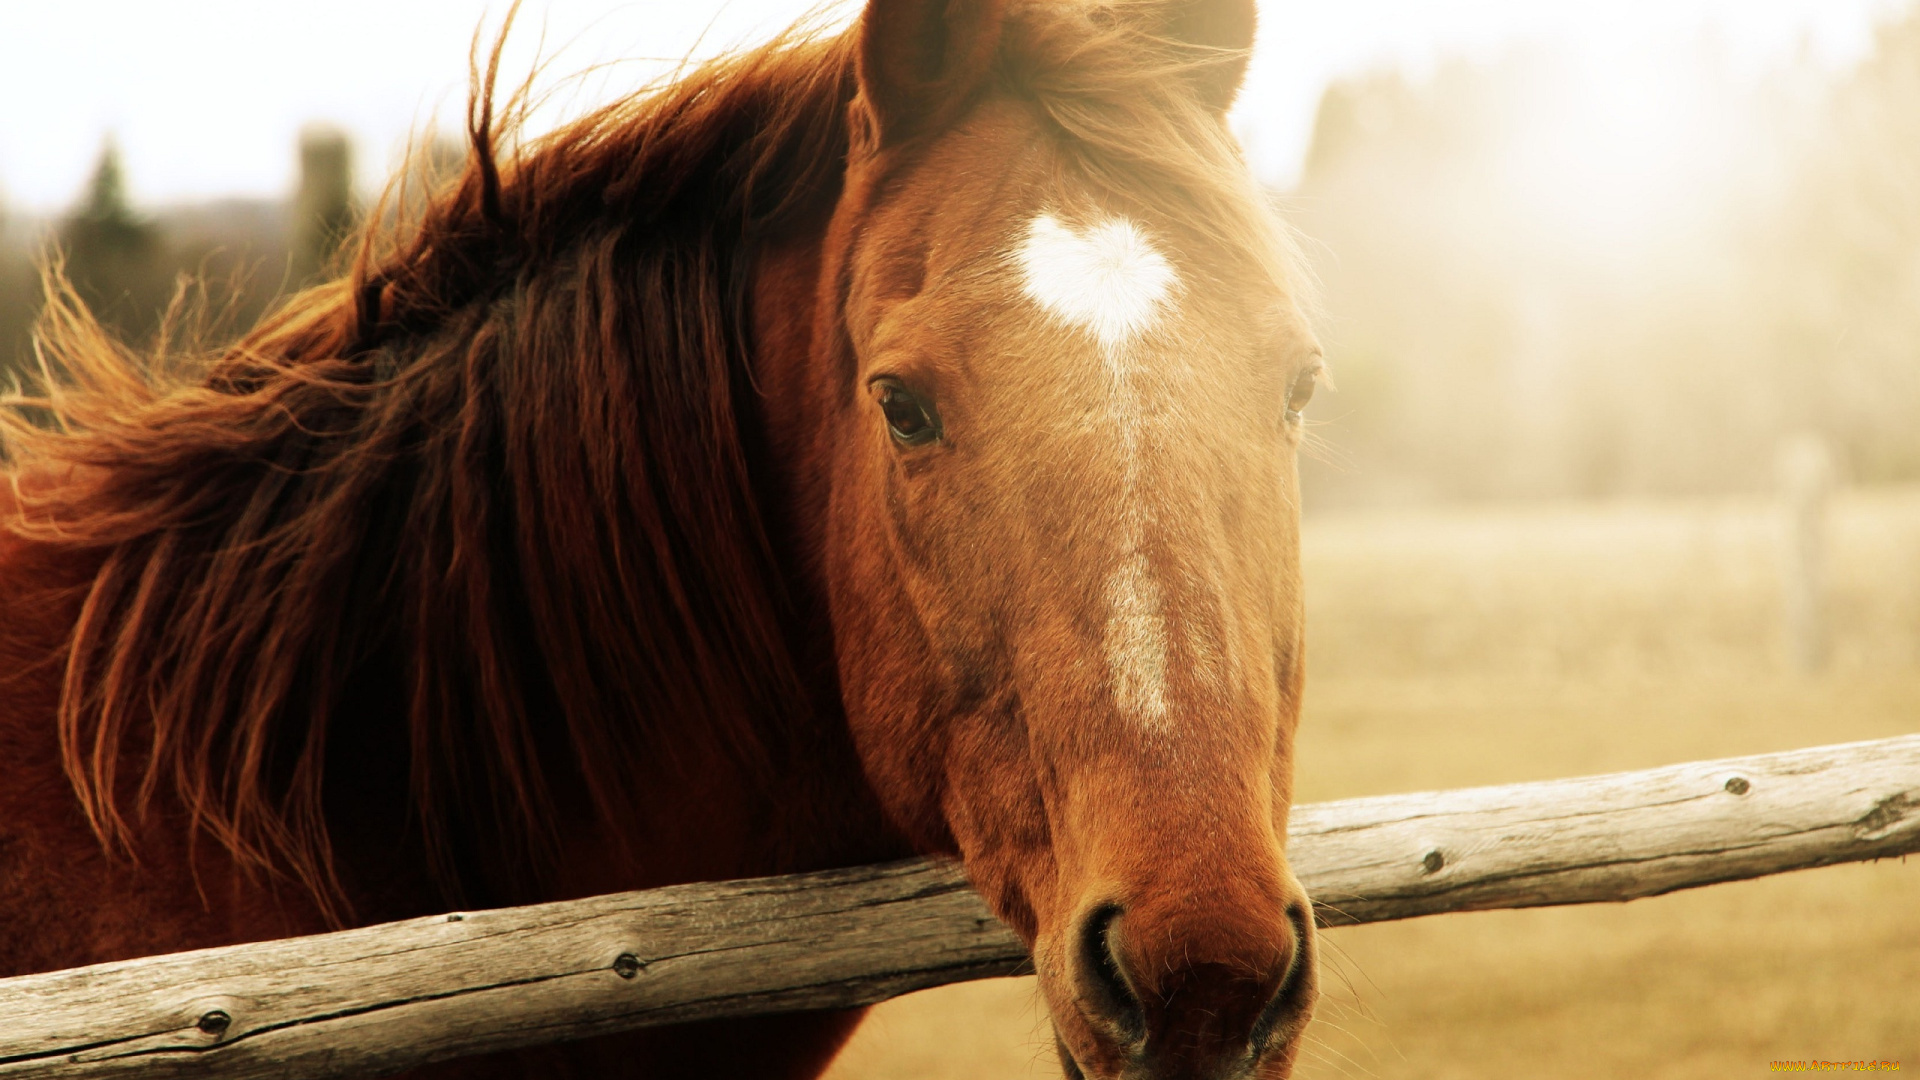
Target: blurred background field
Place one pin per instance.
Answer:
(1583, 270)
(1478, 646)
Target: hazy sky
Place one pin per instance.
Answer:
(205, 97)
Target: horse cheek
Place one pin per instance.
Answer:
(884, 650)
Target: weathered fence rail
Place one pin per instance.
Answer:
(382, 998)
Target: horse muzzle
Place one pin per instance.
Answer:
(1154, 989)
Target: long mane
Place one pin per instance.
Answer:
(500, 480)
(496, 481)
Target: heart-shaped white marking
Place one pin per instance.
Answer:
(1107, 279)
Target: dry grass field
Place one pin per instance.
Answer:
(1483, 646)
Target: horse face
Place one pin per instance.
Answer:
(1062, 561)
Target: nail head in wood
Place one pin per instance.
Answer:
(627, 965)
(1433, 861)
(214, 1022)
(1738, 785)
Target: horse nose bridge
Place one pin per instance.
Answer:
(1167, 631)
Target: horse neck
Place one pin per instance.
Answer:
(711, 817)
(829, 813)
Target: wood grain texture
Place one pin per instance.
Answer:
(1616, 837)
(379, 999)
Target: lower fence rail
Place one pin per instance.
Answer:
(383, 998)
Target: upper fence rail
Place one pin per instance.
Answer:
(380, 999)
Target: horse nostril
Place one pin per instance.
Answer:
(1294, 995)
(1104, 985)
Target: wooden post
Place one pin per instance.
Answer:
(1806, 474)
(380, 999)
(323, 209)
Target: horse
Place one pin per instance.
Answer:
(880, 441)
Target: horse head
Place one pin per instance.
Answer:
(1045, 437)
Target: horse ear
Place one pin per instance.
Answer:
(922, 60)
(1224, 29)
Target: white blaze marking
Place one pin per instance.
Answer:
(1109, 281)
(1137, 638)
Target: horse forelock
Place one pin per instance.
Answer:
(1134, 119)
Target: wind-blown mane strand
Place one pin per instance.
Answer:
(492, 485)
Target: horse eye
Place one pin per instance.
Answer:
(1302, 391)
(910, 418)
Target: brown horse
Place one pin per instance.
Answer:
(872, 443)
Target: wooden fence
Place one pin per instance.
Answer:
(383, 998)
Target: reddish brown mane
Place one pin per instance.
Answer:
(499, 473)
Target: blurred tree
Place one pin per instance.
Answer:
(113, 255)
(1847, 304)
(16, 300)
(323, 207)
(1510, 314)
